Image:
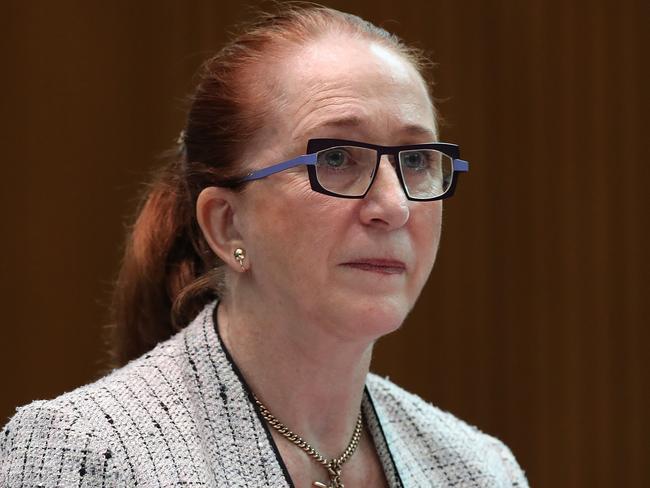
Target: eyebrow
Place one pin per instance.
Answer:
(353, 121)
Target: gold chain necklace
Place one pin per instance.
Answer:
(334, 465)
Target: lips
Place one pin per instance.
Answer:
(382, 266)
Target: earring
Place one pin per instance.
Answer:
(240, 255)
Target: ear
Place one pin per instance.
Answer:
(215, 212)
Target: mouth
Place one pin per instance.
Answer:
(381, 266)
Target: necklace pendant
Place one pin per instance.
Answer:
(334, 471)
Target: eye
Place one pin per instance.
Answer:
(415, 160)
(334, 158)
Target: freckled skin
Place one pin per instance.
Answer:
(296, 239)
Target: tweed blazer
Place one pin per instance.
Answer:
(182, 415)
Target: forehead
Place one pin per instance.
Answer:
(362, 83)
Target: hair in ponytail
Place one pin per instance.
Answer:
(168, 272)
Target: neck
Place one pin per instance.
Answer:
(308, 379)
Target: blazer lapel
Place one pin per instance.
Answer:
(380, 431)
(239, 445)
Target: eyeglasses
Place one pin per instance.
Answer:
(347, 169)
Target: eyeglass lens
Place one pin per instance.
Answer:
(348, 170)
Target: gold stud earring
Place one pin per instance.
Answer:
(240, 255)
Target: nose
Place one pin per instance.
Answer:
(385, 205)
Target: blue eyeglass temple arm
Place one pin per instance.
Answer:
(309, 159)
(460, 165)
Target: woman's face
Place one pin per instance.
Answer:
(354, 266)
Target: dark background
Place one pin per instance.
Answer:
(534, 324)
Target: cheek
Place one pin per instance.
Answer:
(435, 220)
(319, 228)
(426, 231)
(294, 226)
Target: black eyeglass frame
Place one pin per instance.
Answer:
(314, 146)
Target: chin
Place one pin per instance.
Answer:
(371, 319)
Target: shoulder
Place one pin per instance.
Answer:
(86, 437)
(439, 441)
(48, 443)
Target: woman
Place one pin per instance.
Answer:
(297, 226)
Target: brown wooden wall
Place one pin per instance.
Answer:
(534, 324)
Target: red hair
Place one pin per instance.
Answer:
(168, 272)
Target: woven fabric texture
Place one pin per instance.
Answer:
(182, 415)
